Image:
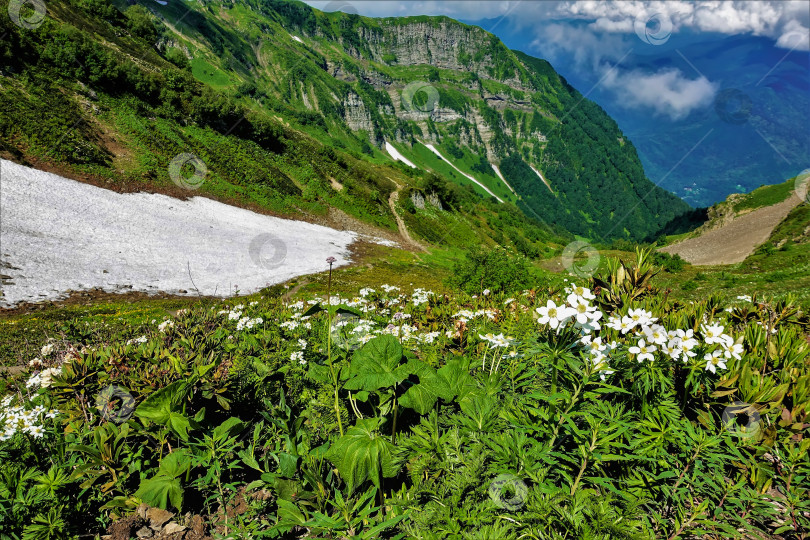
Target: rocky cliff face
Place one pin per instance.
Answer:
(356, 114)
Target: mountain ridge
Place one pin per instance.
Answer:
(271, 70)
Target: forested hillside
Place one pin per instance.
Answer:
(277, 99)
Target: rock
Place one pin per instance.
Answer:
(418, 200)
(172, 528)
(158, 517)
(144, 532)
(356, 114)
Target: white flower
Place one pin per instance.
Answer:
(36, 431)
(46, 377)
(302, 343)
(714, 361)
(581, 307)
(626, 324)
(584, 292)
(643, 351)
(712, 333)
(656, 334)
(46, 349)
(33, 381)
(735, 350)
(553, 315)
(486, 292)
(165, 324)
(594, 345)
(639, 317)
(744, 298)
(298, 356)
(673, 348)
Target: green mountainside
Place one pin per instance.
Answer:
(294, 111)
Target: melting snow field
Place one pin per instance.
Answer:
(396, 156)
(58, 235)
(439, 154)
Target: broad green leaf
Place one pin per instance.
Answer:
(376, 365)
(228, 428)
(454, 380)
(422, 395)
(160, 491)
(363, 454)
(175, 464)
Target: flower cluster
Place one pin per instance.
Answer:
(44, 378)
(645, 336)
(578, 308)
(18, 419)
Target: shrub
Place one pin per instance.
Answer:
(670, 263)
(492, 269)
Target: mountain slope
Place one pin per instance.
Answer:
(769, 216)
(278, 100)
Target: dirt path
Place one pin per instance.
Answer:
(735, 240)
(403, 230)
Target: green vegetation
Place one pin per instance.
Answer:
(765, 196)
(405, 413)
(228, 83)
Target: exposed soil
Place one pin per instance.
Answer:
(735, 240)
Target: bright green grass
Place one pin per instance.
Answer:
(765, 196)
(209, 74)
(429, 160)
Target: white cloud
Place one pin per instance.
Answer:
(667, 92)
(786, 22)
(777, 20)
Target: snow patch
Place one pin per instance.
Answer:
(396, 156)
(498, 172)
(60, 235)
(538, 173)
(485, 188)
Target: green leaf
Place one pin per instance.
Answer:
(230, 427)
(363, 454)
(163, 407)
(422, 396)
(313, 310)
(160, 491)
(287, 464)
(376, 365)
(454, 380)
(175, 464)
